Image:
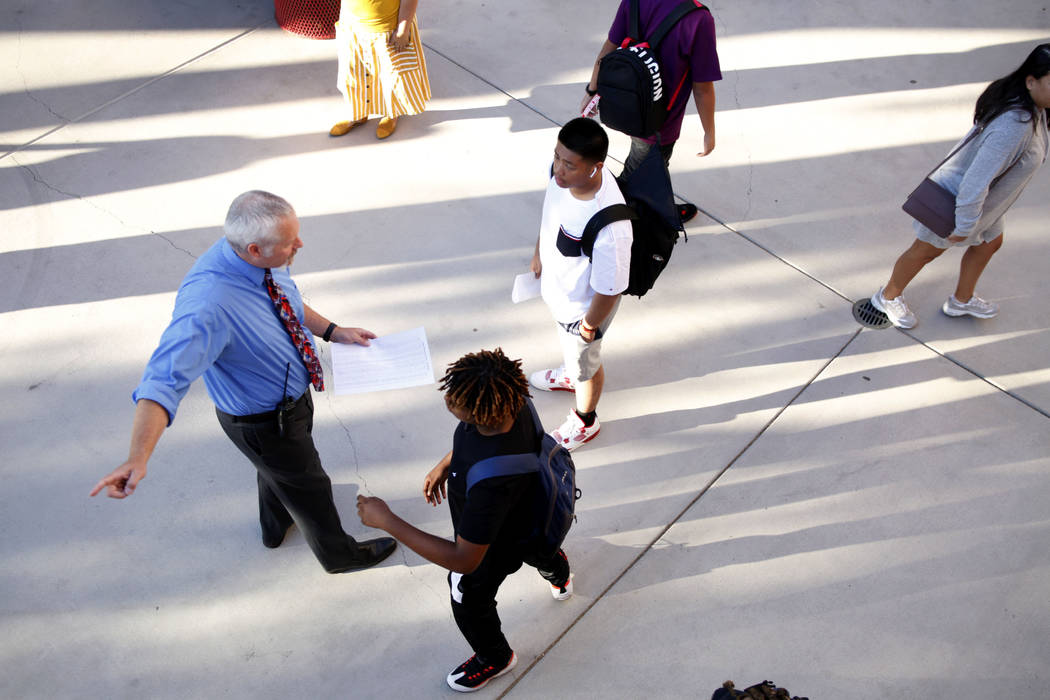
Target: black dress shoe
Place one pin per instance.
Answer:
(273, 540)
(369, 553)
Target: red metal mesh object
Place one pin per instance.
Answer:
(314, 19)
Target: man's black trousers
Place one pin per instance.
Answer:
(293, 486)
(474, 598)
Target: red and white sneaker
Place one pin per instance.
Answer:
(552, 380)
(574, 433)
(563, 592)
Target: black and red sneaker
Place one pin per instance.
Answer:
(687, 212)
(473, 674)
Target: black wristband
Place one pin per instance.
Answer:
(328, 332)
(590, 92)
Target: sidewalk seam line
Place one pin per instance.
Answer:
(976, 374)
(915, 339)
(768, 251)
(681, 513)
(462, 67)
(133, 90)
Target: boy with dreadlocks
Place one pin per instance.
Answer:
(489, 395)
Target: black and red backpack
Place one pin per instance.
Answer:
(634, 97)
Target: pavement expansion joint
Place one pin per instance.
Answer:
(132, 91)
(491, 84)
(975, 373)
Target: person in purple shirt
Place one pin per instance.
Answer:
(225, 326)
(689, 65)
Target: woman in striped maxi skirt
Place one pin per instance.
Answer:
(382, 71)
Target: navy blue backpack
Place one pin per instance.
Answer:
(557, 475)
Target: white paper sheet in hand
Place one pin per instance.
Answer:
(526, 286)
(391, 362)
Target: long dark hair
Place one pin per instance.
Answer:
(1011, 92)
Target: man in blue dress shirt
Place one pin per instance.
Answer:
(225, 327)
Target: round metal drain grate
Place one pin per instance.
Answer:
(868, 316)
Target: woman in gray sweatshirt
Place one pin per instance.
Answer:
(1008, 144)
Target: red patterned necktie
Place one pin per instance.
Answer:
(295, 330)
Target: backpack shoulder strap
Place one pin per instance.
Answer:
(502, 465)
(974, 131)
(604, 217)
(634, 27)
(680, 11)
(509, 465)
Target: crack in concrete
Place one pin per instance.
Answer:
(749, 189)
(349, 439)
(41, 181)
(40, 102)
(25, 83)
(440, 595)
(73, 195)
(750, 163)
(171, 243)
(402, 550)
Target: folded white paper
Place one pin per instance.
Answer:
(526, 286)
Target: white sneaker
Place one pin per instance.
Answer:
(574, 433)
(895, 309)
(552, 380)
(562, 592)
(977, 307)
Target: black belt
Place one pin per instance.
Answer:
(266, 416)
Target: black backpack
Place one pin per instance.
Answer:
(654, 219)
(634, 98)
(557, 473)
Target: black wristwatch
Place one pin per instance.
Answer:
(328, 332)
(590, 92)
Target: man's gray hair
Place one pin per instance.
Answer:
(253, 218)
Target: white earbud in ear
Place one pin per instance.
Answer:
(594, 171)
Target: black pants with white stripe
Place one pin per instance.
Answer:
(474, 598)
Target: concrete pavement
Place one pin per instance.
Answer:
(775, 493)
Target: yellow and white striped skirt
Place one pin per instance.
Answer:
(376, 80)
